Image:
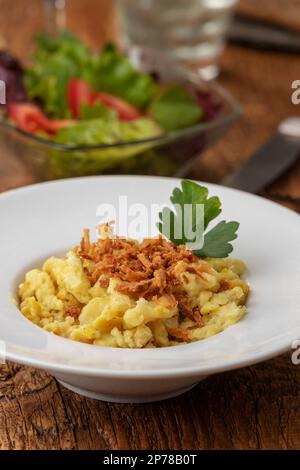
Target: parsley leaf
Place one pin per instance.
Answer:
(216, 241)
(175, 109)
(186, 201)
(192, 193)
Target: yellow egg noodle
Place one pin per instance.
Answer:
(61, 299)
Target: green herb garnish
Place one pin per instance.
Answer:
(216, 242)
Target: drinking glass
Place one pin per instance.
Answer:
(189, 31)
(54, 15)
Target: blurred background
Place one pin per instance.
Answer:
(95, 21)
(257, 67)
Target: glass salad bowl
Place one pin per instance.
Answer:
(167, 154)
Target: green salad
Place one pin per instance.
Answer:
(77, 97)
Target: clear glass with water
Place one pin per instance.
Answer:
(190, 31)
(54, 16)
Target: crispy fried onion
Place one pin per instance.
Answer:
(144, 269)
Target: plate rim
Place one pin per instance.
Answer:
(283, 346)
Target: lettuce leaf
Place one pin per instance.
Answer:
(116, 75)
(107, 131)
(96, 111)
(175, 109)
(58, 59)
(121, 159)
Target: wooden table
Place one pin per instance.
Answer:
(253, 408)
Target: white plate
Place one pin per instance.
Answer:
(40, 220)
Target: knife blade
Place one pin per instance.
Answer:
(255, 33)
(270, 161)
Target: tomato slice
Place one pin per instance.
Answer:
(56, 124)
(79, 92)
(126, 112)
(30, 118)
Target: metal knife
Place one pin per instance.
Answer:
(263, 35)
(270, 161)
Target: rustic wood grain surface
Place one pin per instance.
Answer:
(253, 408)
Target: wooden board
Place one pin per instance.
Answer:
(252, 408)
